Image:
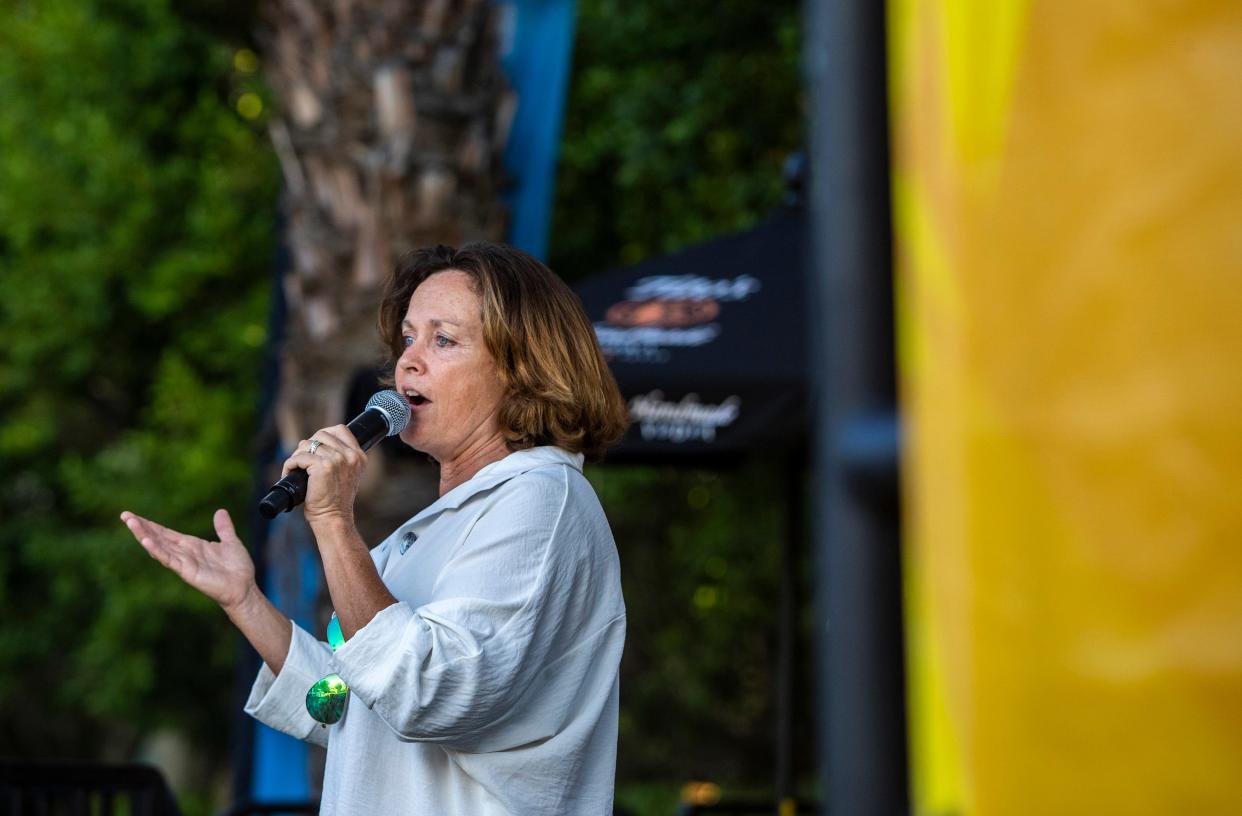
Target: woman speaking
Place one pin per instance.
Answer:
(471, 662)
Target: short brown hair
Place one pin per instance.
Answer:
(559, 390)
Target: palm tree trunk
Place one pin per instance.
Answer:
(392, 120)
(393, 116)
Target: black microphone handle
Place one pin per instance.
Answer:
(368, 428)
(286, 494)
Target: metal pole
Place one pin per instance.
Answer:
(858, 576)
(786, 799)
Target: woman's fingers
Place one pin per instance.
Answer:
(330, 444)
(156, 540)
(140, 529)
(302, 456)
(151, 529)
(224, 526)
(296, 460)
(340, 438)
(146, 530)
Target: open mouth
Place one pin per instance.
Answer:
(416, 400)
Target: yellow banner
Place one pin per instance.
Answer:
(1068, 217)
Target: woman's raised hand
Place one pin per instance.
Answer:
(222, 570)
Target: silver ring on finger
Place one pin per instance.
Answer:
(314, 444)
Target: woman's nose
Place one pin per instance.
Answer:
(411, 359)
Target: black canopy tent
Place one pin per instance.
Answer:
(708, 344)
(709, 348)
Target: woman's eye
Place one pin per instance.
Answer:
(407, 341)
(442, 341)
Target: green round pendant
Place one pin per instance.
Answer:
(326, 699)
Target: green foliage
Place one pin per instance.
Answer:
(642, 798)
(700, 552)
(136, 237)
(680, 117)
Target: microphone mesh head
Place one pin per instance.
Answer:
(393, 406)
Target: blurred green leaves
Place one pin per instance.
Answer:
(700, 554)
(680, 117)
(137, 214)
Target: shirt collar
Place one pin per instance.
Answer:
(497, 473)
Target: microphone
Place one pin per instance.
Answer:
(387, 413)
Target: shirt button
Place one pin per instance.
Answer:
(407, 541)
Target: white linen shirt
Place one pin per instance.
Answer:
(491, 686)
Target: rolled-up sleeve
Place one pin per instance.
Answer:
(279, 700)
(459, 669)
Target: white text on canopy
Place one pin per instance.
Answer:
(686, 421)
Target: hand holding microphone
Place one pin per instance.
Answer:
(336, 450)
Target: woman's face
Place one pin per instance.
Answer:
(446, 372)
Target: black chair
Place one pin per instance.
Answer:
(742, 808)
(66, 788)
(272, 808)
